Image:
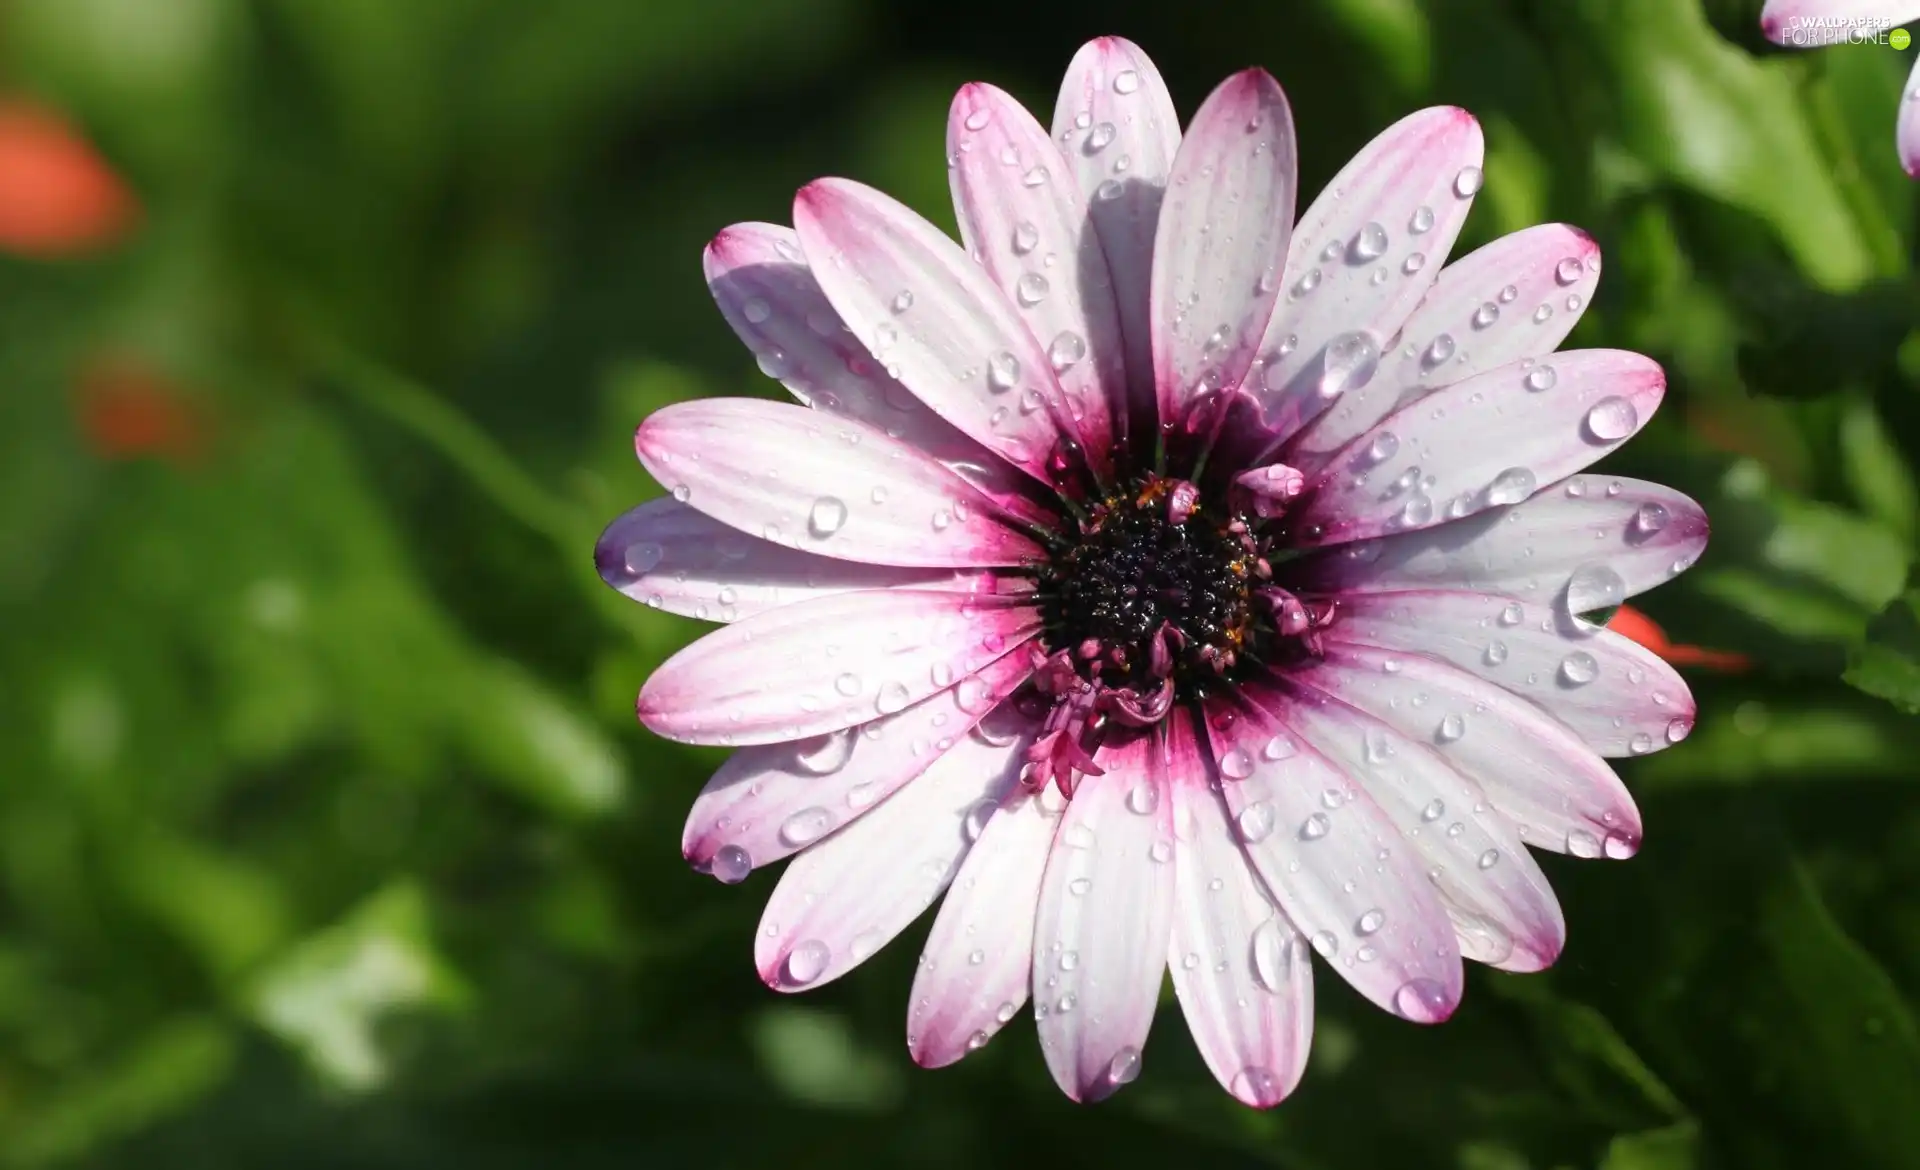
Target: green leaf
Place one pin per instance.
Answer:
(1677, 1147)
(1887, 663)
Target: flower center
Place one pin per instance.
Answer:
(1156, 589)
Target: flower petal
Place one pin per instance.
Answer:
(958, 344)
(1516, 298)
(974, 973)
(1106, 910)
(761, 282)
(1222, 241)
(1022, 216)
(837, 488)
(846, 897)
(1116, 123)
(1479, 444)
(1503, 911)
(1907, 133)
(769, 800)
(1364, 255)
(1641, 531)
(676, 559)
(1559, 793)
(824, 665)
(1241, 970)
(1331, 857)
(1616, 695)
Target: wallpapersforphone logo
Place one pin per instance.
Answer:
(1808, 32)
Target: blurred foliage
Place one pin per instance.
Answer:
(328, 839)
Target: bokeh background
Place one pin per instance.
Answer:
(327, 838)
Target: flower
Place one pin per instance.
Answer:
(1802, 24)
(1171, 584)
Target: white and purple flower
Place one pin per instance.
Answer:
(1804, 24)
(1175, 586)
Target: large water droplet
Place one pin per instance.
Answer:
(1611, 418)
(1467, 182)
(1594, 586)
(1579, 668)
(824, 755)
(807, 962)
(1541, 378)
(1452, 727)
(1385, 446)
(1125, 1065)
(731, 864)
(1272, 952)
(642, 557)
(1101, 137)
(827, 516)
(1510, 487)
(1278, 748)
(1026, 238)
(1030, 289)
(1650, 518)
(1126, 81)
(1258, 1087)
(1256, 821)
(1003, 372)
(1424, 1001)
(1349, 362)
(847, 684)
(806, 826)
(1236, 764)
(1370, 922)
(1143, 798)
(1438, 352)
(1422, 221)
(1067, 348)
(1568, 270)
(1315, 827)
(1369, 243)
(893, 697)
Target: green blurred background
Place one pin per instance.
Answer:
(327, 838)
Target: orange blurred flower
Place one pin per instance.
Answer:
(126, 410)
(58, 197)
(1631, 623)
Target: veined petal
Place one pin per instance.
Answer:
(1503, 911)
(1333, 859)
(1022, 216)
(1641, 531)
(1221, 241)
(1778, 17)
(1482, 443)
(846, 897)
(1514, 299)
(1616, 695)
(1363, 256)
(769, 800)
(1116, 123)
(824, 665)
(837, 488)
(1106, 909)
(761, 282)
(957, 343)
(1557, 791)
(1241, 970)
(673, 558)
(978, 962)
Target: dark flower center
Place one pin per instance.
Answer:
(1156, 584)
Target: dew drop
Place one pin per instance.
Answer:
(847, 684)
(1278, 748)
(1143, 798)
(1003, 372)
(1496, 652)
(1125, 1065)
(1424, 1001)
(731, 864)
(977, 120)
(902, 301)
(827, 516)
(1422, 221)
(1414, 262)
(1126, 81)
(1581, 843)
(1315, 827)
(806, 826)
(1030, 289)
(1611, 418)
(1510, 487)
(1349, 361)
(1256, 821)
(1369, 244)
(1370, 922)
(1436, 808)
(1067, 348)
(807, 962)
(1324, 944)
(1579, 668)
(1271, 952)
(1541, 378)
(1489, 859)
(1594, 586)
(1452, 727)
(1026, 238)
(1101, 137)
(1650, 518)
(1236, 764)
(893, 697)
(1438, 352)
(1486, 315)
(1467, 182)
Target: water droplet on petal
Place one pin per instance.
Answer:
(1435, 809)
(1143, 798)
(731, 864)
(1413, 263)
(1581, 843)
(1467, 182)
(1236, 764)
(893, 697)
(1424, 1001)
(1272, 954)
(1541, 378)
(1579, 668)
(1370, 922)
(1489, 859)
(1256, 821)
(1126, 81)
(847, 684)
(1510, 487)
(1486, 315)
(1611, 418)
(1278, 748)
(1315, 827)
(1594, 586)
(1422, 221)
(1349, 361)
(1452, 727)
(1030, 289)
(807, 962)
(806, 826)
(1438, 352)
(1369, 244)
(1067, 348)
(827, 516)
(1125, 1065)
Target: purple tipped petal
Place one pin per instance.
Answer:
(1363, 256)
(953, 338)
(1482, 443)
(761, 282)
(1241, 970)
(1024, 218)
(1620, 697)
(974, 973)
(671, 557)
(767, 801)
(1222, 241)
(1558, 792)
(825, 665)
(1641, 531)
(1504, 912)
(1334, 860)
(845, 898)
(836, 488)
(1106, 910)
(1514, 299)
(1119, 131)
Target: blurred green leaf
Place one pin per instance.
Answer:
(1886, 663)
